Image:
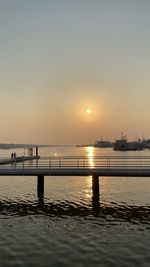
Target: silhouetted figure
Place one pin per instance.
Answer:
(12, 155)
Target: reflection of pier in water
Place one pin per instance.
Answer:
(113, 212)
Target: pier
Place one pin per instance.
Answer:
(95, 167)
(15, 159)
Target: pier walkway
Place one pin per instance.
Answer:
(110, 166)
(76, 166)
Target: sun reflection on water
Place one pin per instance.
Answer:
(90, 154)
(88, 189)
(90, 164)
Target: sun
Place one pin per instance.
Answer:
(88, 111)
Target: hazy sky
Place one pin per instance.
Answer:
(60, 57)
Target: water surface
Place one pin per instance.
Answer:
(70, 228)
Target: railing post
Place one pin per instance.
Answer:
(37, 163)
(108, 162)
(37, 154)
(83, 162)
(50, 163)
(140, 162)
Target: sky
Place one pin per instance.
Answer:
(59, 58)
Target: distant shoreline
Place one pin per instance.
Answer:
(16, 146)
(11, 146)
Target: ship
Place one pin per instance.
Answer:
(103, 143)
(147, 143)
(123, 144)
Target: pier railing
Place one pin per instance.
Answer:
(82, 162)
(97, 166)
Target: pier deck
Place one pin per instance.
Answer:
(77, 166)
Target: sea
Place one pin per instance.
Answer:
(68, 228)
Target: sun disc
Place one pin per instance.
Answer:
(88, 111)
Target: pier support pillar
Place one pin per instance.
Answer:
(95, 185)
(95, 196)
(40, 188)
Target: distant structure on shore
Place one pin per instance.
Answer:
(103, 143)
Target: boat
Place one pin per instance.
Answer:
(146, 143)
(103, 143)
(123, 144)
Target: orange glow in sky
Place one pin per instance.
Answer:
(70, 77)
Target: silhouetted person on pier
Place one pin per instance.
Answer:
(12, 155)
